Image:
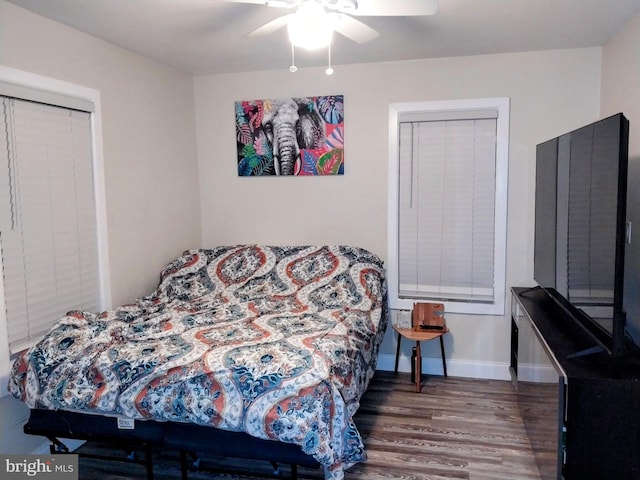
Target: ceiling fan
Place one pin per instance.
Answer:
(314, 21)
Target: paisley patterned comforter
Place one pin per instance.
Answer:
(278, 342)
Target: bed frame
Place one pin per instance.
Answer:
(151, 436)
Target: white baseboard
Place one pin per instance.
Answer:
(455, 368)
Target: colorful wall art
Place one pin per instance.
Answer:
(291, 136)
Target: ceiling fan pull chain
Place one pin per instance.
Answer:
(329, 70)
(293, 68)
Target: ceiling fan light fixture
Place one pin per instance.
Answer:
(311, 27)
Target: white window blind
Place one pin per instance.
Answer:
(49, 230)
(446, 209)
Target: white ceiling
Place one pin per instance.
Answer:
(209, 36)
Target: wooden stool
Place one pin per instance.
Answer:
(432, 316)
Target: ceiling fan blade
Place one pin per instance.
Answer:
(353, 29)
(271, 26)
(269, 3)
(386, 8)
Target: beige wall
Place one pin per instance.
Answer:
(621, 80)
(149, 141)
(551, 92)
(621, 93)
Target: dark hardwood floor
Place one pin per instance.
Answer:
(456, 428)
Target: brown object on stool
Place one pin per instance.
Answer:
(427, 316)
(428, 322)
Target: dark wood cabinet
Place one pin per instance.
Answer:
(582, 413)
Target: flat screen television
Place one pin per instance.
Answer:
(580, 227)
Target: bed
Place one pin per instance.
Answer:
(274, 342)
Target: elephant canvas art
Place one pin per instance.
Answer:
(290, 136)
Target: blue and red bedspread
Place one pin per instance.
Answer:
(278, 342)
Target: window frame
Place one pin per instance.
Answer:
(433, 108)
(54, 87)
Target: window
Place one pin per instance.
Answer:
(52, 218)
(447, 204)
